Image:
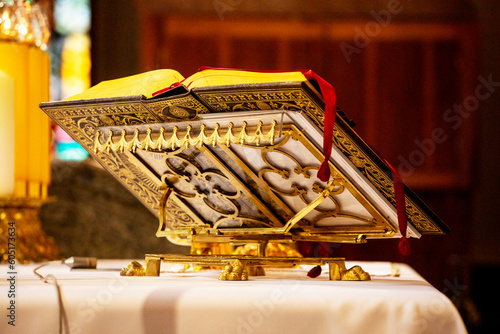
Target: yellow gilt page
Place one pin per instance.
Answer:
(214, 77)
(141, 84)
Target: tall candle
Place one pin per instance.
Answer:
(14, 60)
(37, 124)
(7, 131)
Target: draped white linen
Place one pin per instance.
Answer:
(284, 301)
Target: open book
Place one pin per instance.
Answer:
(158, 81)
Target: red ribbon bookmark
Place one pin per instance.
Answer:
(399, 196)
(330, 98)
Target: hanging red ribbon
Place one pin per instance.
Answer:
(330, 98)
(399, 196)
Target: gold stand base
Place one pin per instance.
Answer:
(22, 237)
(237, 267)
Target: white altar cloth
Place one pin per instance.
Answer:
(284, 301)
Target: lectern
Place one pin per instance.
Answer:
(229, 156)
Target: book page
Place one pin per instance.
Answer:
(141, 84)
(215, 77)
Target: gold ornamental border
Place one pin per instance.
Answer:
(203, 138)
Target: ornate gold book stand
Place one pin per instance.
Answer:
(237, 164)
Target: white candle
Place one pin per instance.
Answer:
(7, 133)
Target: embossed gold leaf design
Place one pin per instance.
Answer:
(126, 174)
(263, 106)
(178, 112)
(357, 161)
(106, 120)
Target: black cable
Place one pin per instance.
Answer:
(63, 319)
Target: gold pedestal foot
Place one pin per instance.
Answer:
(339, 272)
(133, 269)
(355, 274)
(234, 272)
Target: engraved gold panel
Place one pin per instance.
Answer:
(178, 109)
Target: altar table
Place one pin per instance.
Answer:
(284, 301)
